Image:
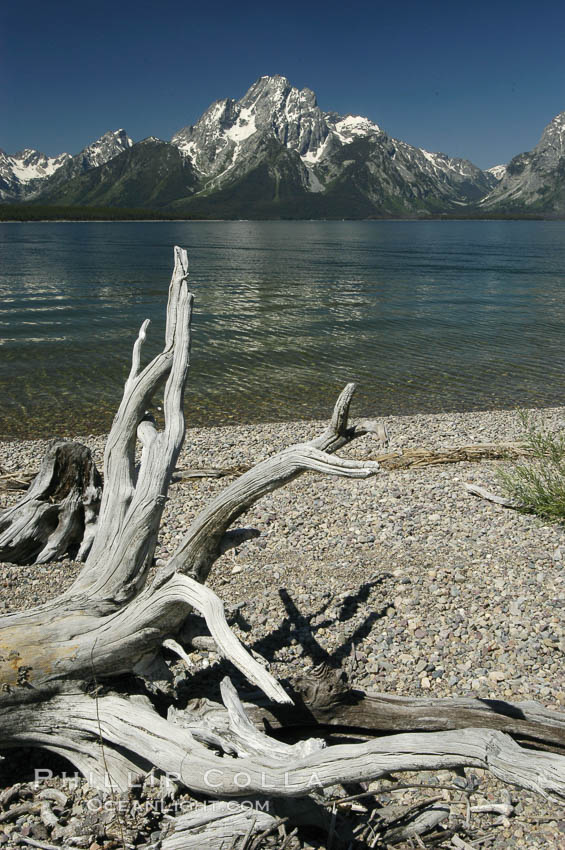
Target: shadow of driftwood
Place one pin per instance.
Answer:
(295, 628)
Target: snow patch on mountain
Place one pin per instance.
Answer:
(314, 185)
(443, 162)
(497, 171)
(244, 126)
(353, 126)
(21, 171)
(315, 155)
(31, 165)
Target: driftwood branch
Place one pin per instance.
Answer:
(490, 496)
(322, 698)
(205, 539)
(409, 458)
(61, 662)
(16, 480)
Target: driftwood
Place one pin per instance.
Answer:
(67, 667)
(490, 496)
(27, 526)
(410, 458)
(416, 457)
(403, 459)
(323, 698)
(58, 513)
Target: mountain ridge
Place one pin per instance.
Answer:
(275, 153)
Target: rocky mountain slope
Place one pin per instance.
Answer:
(534, 181)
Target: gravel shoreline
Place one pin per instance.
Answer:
(439, 592)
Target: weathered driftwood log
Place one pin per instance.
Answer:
(323, 698)
(60, 661)
(58, 513)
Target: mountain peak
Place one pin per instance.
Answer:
(274, 80)
(497, 171)
(233, 135)
(553, 137)
(534, 179)
(119, 137)
(109, 145)
(277, 89)
(271, 109)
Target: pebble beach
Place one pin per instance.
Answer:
(404, 580)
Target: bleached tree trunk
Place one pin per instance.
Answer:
(58, 660)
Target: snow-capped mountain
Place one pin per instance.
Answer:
(233, 138)
(151, 173)
(26, 174)
(273, 153)
(535, 180)
(20, 172)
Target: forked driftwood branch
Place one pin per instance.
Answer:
(65, 666)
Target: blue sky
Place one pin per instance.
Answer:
(479, 80)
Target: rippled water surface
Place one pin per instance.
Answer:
(424, 316)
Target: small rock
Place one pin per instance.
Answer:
(497, 675)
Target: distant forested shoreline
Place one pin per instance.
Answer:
(48, 212)
(44, 212)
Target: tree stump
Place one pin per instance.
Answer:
(58, 513)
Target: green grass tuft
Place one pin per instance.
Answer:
(538, 484)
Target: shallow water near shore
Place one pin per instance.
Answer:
(424, 316)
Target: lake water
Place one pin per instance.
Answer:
(424, 316)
